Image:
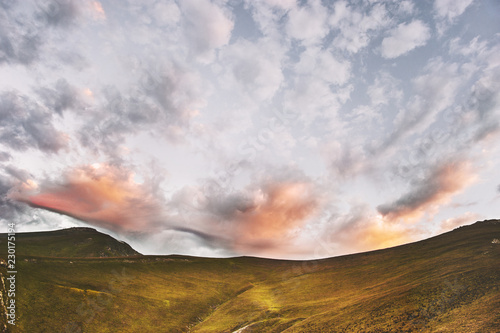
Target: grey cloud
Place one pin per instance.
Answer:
(162, 88)
(228, 206)
(486, 130)
(358, 213)
(9, 210)
(485, 101)
(121, 115)
(26, 124)
(4, 156)
(60, 98)
(19, 39)
(443, 181)
(434, 91)
(175, 89)
(23, 33)
(211, 198)
(460, 129)
(58, 12)
(350, 162)
(162, 103)
(73, 59)
(26, 218)
(208, 239)
(19, 174)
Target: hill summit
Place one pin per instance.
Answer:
(72, 242)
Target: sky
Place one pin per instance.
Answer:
(272, 128)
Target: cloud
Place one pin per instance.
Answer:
(315, 100)
(278, 208)
(263, 218)
(24, 30)
(4, 156)
(25, 124)
(484, 101)
(208, 27)
(269, 15)
(101, 195)
(96, 10)
(384, 89)
(61, 98)
(58, 12)
(356, 28)
(450, 9)
(163, 102)
(307, 23)
(178, 90)
(434, 91)
(254, 67)
(404, 38)
(360, 229)
(323, 65)
(19, 41)
(454, 222)
(346, 159)
(10, 210)
(443, 182)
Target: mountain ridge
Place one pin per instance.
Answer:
(68, 242)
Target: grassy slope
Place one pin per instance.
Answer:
(72, 242)
(449, 283)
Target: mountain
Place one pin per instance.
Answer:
(72, 242)
(448, 283)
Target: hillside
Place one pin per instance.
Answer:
(72, 242)
(448, 283)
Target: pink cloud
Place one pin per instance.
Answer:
(102, 195)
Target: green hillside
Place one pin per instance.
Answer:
(72, 242)
(448, 283)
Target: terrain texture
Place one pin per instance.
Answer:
(80, 280)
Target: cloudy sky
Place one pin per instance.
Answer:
(276, 128)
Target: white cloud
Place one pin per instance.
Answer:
(255, 68)
(267, 14)
(451, 8)
(404, 38)
(324, 65)
(406, 7)
(434, 91)
(384, 89)
(356, 28)
(285, 4)
(308, 23)
(473, 48)
(166, 13)
(208, 27)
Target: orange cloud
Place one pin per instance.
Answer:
(278, 209)
(378, 235)
(97, 10)
(360, 230)
(102, 195)
(445, 181)
(454, 222)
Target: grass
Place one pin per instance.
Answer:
(72, 242)
(449, 283)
